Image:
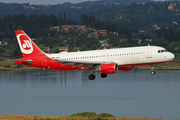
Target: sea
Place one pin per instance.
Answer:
(124, 94)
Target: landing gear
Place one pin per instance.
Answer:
(152, 71)
(103, 75)
(92, 77)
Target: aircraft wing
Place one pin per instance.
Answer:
(83, 63)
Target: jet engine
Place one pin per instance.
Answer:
(109, 68)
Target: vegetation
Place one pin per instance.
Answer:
(10, 65)
(73, 10)
(80, 116)
(141, 16)
(84, 114)
(7, 66)
(168, 38)
(134, 17)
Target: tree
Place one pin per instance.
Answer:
(64, 16)
(83, 48)
(150, 10)
(94, 47)
(160, 42)
(55, 50)
(60, 17)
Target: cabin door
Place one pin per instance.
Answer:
(44, 61)
(149, 53)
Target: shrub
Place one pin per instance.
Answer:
(84, 114)
(7, 66)
(19, 66)
(105, 115)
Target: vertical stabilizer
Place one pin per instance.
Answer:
(27, 46)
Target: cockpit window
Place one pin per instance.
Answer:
(161, 51)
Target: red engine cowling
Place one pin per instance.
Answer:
(125, 68)
(109, 68)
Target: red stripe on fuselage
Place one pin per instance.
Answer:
(46, 63)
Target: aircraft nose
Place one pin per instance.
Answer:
(171, 56)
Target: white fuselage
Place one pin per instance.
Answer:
(120, 56)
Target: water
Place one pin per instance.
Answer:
(130, 94)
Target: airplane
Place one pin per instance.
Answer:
(107, 61)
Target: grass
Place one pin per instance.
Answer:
(75, 116)
(10, 65)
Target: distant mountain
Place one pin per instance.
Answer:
(71, 10)
(88, 3)
(133, 13)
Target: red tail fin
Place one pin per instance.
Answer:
(27, 46)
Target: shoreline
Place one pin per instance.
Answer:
(10, 66)
(76, 116)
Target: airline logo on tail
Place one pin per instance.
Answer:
(25, 43)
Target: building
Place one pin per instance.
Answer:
(139, 41)
(47, 48)
(3, 43)
(114, 33)
(63, 48)
(74, 27)
(171, 7)
(66, 27)
(149, 40)
(55, 28)
(102, 32)
(96, 33)
(104, 42)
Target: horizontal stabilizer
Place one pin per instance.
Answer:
(24, 61)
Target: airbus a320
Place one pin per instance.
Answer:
(107, 61)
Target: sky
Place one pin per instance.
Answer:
(46, 1)
(43, 1)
